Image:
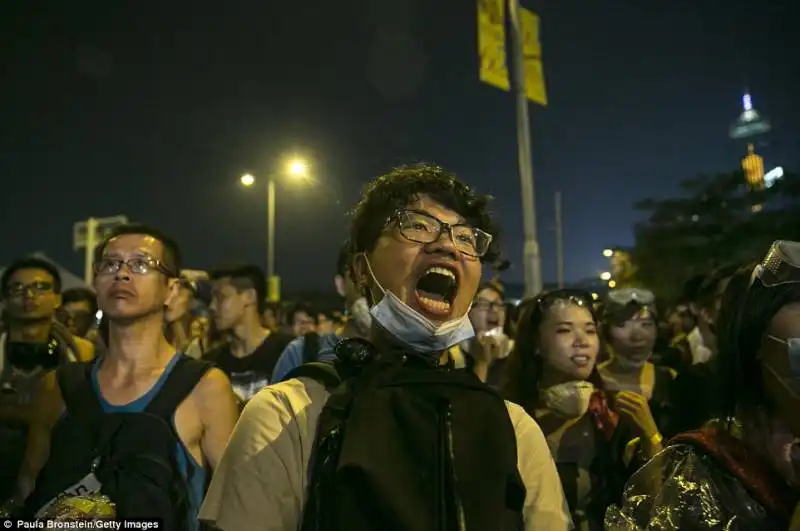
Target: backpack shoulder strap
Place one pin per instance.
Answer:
(310, 347)
(66, 342)
(77, 392)
(325, 373)
(180, 382)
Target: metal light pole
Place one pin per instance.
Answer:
(270, 229)
(530, 251)
(295, 169)
(88, 234)
(91, 244)
(559, 242)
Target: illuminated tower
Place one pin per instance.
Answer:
(750, 125)
(751, 129)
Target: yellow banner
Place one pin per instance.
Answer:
(492, 43)
(532, 52)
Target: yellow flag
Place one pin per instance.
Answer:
(532, 52)
(492, 43)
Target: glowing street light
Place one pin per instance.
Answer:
(296, 169)
(608, 253)
(605, 275)
(612, 284)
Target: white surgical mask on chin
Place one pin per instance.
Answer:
(569, 399)
(412, 329)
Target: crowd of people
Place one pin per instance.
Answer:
(425, 402)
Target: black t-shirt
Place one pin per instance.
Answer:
(250, 373)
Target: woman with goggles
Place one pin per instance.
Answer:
(743, 471)
(641, 388)
(551, 373)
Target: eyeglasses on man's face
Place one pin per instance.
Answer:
(420, 227)
(141, 265)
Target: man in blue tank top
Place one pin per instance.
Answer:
(136, 275)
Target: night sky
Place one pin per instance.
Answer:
(154, 112)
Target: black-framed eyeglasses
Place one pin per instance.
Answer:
(138, 266)
(420, 227)
(781, 265)
(37, 287)
(485, 304)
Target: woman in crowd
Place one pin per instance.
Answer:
(630, 331)
(551, 373)
(489, 349)
(742, 472)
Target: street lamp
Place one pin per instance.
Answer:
(605, 275)
(296, 169)
(608, 253)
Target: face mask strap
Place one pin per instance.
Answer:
(374, 300)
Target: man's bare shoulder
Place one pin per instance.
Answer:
(213, 394)
(213, 383)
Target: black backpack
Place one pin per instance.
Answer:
(133, 455)
(403, 445)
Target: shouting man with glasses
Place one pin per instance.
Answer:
(392, 435)
(35, 343)
(137, 427)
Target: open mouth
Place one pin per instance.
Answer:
(581, 360)
(436, 290)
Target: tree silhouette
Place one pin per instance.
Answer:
(713, 224)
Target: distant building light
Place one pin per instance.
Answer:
(595, 296)
(612, 284)
(747, 102)
(773, 175)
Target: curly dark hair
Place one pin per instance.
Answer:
(395, 190)
(523, 372)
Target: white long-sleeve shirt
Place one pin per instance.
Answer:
(261, 481)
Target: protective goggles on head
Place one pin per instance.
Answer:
(564, 297)
(629, 303)
(626, 296)
(780, 266)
